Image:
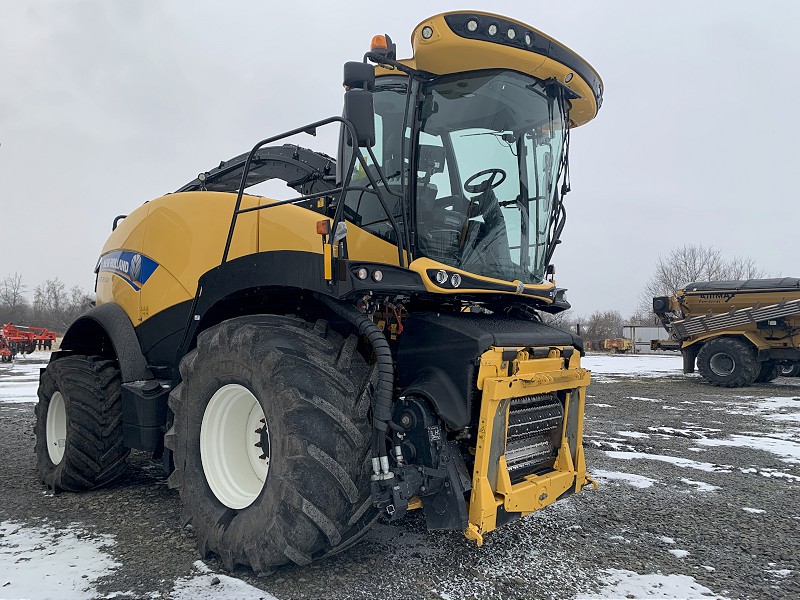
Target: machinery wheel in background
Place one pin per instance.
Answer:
(78, 426)
(789, 370)
(728, 362)
(768, 371)
(271, 441)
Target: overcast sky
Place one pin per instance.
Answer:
(104, 105)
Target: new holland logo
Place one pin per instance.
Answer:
(136, 266)
(131, 267)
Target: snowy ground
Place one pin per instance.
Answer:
(698, 499)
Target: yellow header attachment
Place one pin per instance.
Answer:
(455, 42)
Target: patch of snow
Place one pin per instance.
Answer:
(606, 445)
(708, 568)
(21, 378)
(779, 408)
(621, 583)
(667, 540)
(600, 404)
(679, 553)
(774, 473)
(701, 486)
(635, 365)
(779, 572)
(643, 399)
(633, 434)
(675, 460)
(753, 510)
(788, 451)
(638, 481)
(38, 559)
(199, 586)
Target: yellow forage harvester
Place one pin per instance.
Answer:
(370, 346)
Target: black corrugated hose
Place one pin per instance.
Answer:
(382, 408)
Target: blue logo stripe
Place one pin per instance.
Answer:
(132, 267)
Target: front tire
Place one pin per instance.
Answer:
(728, 362)
(78, 428)
(271, 441)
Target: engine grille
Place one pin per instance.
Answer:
(533, 435)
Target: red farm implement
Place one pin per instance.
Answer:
(19, 339)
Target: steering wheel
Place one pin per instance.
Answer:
(484, 185)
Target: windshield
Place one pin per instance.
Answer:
(490, 150)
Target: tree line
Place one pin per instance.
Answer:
(52, 306)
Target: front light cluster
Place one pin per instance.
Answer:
(363, 273)
(442, 277)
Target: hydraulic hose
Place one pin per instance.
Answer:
(384, 394)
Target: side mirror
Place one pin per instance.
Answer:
(359, 110)
(359, 75)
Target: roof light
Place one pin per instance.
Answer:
(492, 29)
(511, 33)
(379, 43)
(568, 78)
(362, 273)
(377, 276)
(441, 277)
(427, 32)
(472, 25)
(528, 39)
(455, 280)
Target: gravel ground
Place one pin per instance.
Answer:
(694, 480)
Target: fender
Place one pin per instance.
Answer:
(750, 336)
(107, 331)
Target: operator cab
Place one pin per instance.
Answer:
(471, 157)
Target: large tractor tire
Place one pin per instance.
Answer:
(768, 371)
(79, 443)
(271, 441)
(728, 362)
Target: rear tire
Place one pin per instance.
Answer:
(728, 362)
(768, 371)
(78, 428)
(312, 388)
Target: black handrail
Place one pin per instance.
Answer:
(337, 218)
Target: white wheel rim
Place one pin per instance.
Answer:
(56, 427)
(234, 465)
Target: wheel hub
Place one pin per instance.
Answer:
(235, 446)
(56, 428)
(722, 364)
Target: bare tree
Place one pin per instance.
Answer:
(601, 325)
(13, 304)
(689, 263)
(55, 307)
(564, 321)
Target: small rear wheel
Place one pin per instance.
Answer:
(78, 428)
(728, 362)
(789, 369)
